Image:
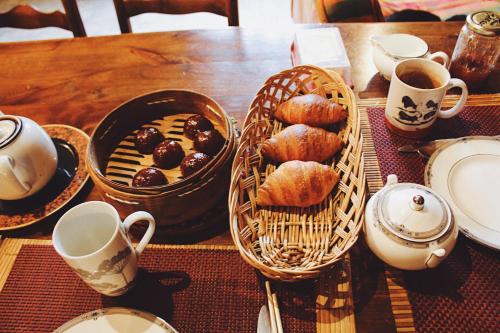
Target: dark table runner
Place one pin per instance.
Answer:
(460, 295)
(195, 290)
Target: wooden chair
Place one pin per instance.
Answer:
(325, 11)
(125, 9)
(26, 17)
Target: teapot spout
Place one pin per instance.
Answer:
(392, 179)
(376, 40)
(435, 258)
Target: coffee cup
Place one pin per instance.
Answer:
(94, 242)
(416, 92)
(28, 157)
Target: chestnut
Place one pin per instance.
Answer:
(149, 177)
(195, 124)
(147, 139)
(193, 162)
(209, 142)
(168, 154)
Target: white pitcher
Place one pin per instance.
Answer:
(388, 50)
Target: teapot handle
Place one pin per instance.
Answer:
(11, 179)
(435, 258)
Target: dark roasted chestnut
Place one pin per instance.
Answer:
(209, 142)
(195, 124)
(168, 154)
(149, 177)
(147, 139)
(194, 162)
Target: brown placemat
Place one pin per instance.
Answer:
(461, 294)
(194, 289)
(197, 288)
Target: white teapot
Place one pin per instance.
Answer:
(28, 157)
(409, 226)
(390, 49)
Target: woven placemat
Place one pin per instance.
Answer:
(194, 288)
(461, 294)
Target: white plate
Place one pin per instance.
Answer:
(116, 319)
(466, 172)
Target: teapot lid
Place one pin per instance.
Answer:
(413, 212)
(10, 126)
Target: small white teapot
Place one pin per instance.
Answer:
(409, 226)
(28, 157)
(389, 49)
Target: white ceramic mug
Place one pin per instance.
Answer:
(94, 242)
(410, 111)
(28, 157)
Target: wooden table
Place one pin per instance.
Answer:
(77, 81)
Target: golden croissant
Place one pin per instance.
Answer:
(301, 142)
(311, 109)
(298, 184)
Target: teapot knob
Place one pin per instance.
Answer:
(417, 203)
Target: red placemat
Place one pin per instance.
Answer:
(460, 295)
(195, 290)
(474, 120)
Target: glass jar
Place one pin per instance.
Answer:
(477, 49)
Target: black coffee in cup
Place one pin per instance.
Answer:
(419, 79)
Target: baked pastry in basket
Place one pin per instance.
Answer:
(297, 184)
(303, 143)
(310, 109)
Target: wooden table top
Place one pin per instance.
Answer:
(78, 81)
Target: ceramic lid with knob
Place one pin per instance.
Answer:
(412, 212)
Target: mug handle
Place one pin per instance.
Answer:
(441, 55)
(141, 216)
(461, 102)
(12, 179)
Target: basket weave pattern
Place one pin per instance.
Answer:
(290, 243)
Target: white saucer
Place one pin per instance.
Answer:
(116, 319)
(466, 172)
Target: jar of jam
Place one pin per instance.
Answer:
(477, 49)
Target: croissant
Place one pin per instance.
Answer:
(311, 109)
(298, 184)
(301, 142)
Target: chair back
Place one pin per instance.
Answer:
(125, 9)
(26, 17)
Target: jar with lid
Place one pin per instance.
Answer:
(477, 49)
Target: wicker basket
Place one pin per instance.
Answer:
(288, 243)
